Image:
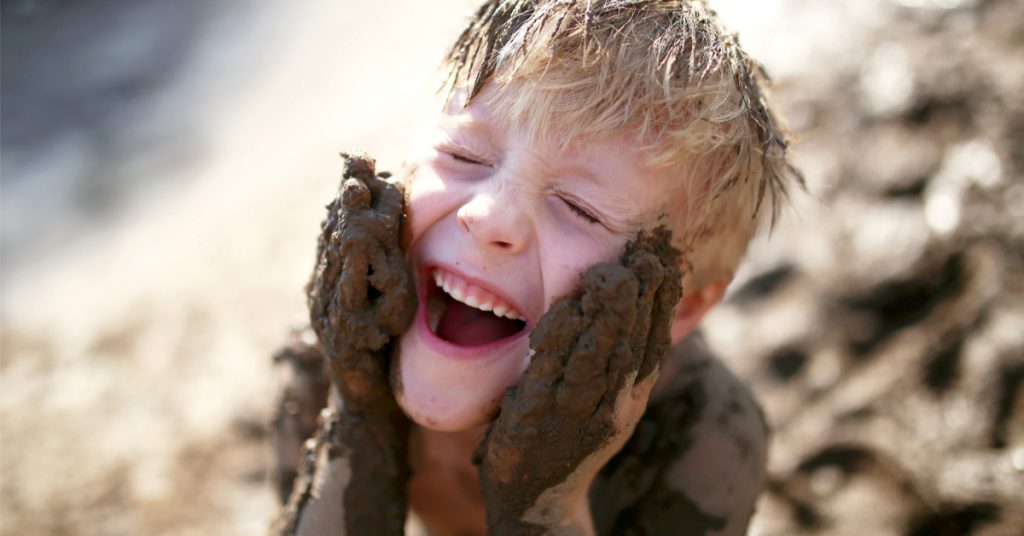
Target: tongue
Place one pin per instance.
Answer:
(467, 326)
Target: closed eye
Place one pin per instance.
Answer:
(580, 211)
(466, 159)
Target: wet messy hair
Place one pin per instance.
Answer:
(665, 71)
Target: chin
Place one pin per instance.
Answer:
(449, 387)
(447, 415)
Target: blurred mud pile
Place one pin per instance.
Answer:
(885, 338)
(881, 326)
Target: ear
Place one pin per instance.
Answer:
(693, 306)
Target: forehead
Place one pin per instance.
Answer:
(511, 108)
(492, 113)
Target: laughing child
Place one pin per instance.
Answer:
(505, 329)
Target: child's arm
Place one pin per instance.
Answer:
(360, 296)
(595, 361)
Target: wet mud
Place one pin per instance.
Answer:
(355, 472)
(588, 349)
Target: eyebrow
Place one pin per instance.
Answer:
(636, 221)
(470, 133)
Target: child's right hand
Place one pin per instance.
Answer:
(360, 296)
(361, 293)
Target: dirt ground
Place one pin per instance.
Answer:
(160, 214)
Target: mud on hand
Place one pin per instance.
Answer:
(361, 292)
(588, 353)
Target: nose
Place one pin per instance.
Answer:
(495, 221)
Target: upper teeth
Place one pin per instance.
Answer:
(474, 296)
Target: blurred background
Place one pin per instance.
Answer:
(164, 168)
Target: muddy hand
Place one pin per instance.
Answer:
(354, 472)
(361, 293)
(595, 361)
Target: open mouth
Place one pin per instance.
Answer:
(466, 315)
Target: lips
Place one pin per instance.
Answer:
(465, 315)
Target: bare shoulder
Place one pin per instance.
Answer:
(695, 464)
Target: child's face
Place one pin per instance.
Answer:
(507, 224)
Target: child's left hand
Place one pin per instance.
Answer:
(595, 361)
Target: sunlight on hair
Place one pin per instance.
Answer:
(663, 71)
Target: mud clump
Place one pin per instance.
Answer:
(588, 350)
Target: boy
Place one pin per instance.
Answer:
(498, 337)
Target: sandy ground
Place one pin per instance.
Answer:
(135, 378)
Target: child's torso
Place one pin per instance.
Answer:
(696, 460)
(445, 489)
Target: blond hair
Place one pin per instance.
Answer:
(572, 71)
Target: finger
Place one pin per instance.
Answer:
(609, 302)
(609, 287)
(319, 294)
(659, 339)
(388, 201)
(322, 293)
(352, 283)
(649, 274)
(551, 340)
(609, 294)
(621, 373)
(656, 263)
(380, 273)
(397, 307)
(584, 381)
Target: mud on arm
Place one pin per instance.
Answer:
(695, 464)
